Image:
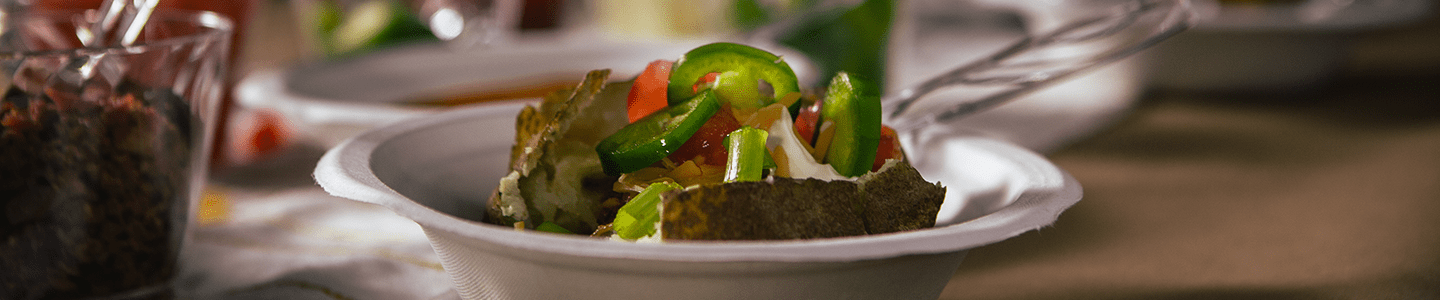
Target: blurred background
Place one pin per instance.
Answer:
(1280, 149)
(314, 64)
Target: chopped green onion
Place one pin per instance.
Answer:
(747, 154)
(638, 217)
(552, 227)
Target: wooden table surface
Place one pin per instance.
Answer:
(1330, 193)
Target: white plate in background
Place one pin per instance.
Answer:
(331, 101)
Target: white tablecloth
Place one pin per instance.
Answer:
(268, 232)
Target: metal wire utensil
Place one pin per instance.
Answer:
(1023, 68)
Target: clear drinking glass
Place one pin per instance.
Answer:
(103, 152)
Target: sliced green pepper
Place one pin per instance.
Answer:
(650, 139)
(638, 217)
(853, 105)
(746, 155)
(741, 69)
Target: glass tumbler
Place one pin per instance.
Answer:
(103, 151)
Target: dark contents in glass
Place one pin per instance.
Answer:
(95, 194)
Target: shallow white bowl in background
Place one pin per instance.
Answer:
(330, 101)
(440, 170)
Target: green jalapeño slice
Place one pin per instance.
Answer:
(853, 105)
(741, 68)
(650, 139)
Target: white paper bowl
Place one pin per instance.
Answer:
(440, 170)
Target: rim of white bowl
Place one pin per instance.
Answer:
(344, 171)
(267, 89)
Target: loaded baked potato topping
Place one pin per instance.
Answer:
(720, 144)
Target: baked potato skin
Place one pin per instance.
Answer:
(894, 199)
(784, 209)
(553, 157)
(900, 199)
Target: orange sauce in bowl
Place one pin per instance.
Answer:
(465, 96)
